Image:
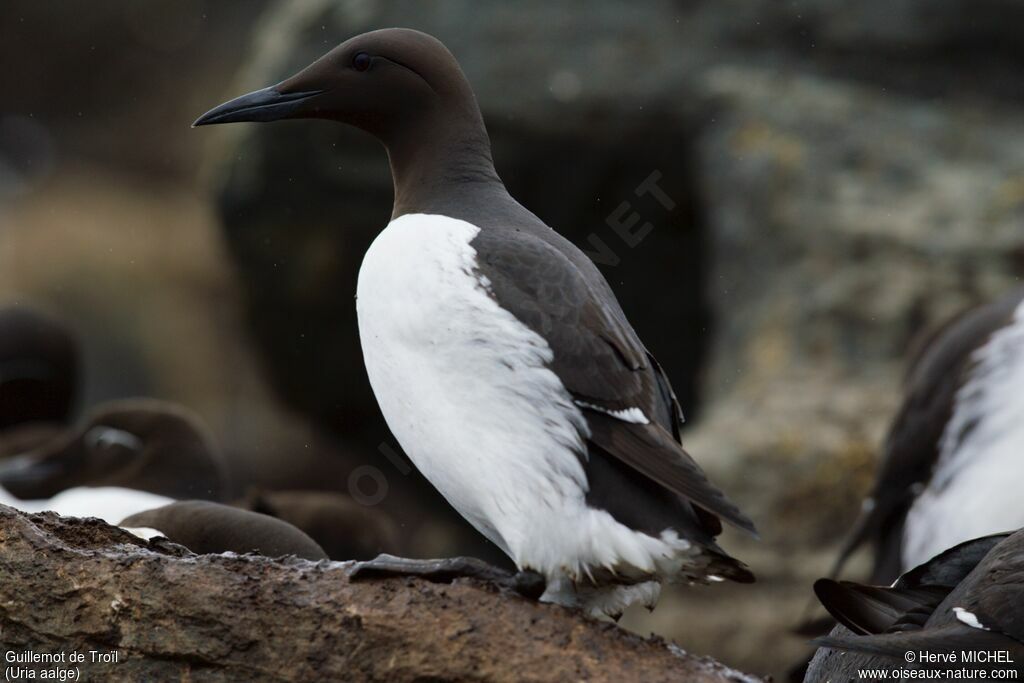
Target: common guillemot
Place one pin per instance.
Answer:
(141, 456)
(968, 599)
(206, 527)
(498, 353)
(952, 467)
(127, 456)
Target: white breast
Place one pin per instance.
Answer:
(462, 383)
(979, 476)
(465, 389)
(109, 503)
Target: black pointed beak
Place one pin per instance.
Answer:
(263, 105)
(27, 471)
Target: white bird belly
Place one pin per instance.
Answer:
(463, 384)
(465, 388)
(979, 475)
(109, 503)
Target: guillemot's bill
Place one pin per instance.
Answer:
(39, 368)
(499, 355)
(969, 598)
(206, 527)
(144, 445)
(952, 467)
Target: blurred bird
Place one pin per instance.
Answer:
(345, 529)
(499, 355)
(39, 369)
(952, 467)
(134, 455)
(968, 598)
(206, 527)
(23, 438)
(128, 456)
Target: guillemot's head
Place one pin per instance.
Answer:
(142, 444)
(385, 82)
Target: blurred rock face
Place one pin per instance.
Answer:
(841, 176)
(56, 108)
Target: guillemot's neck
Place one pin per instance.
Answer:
(440, 161)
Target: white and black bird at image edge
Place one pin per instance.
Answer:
(498, 353)
(968, 599)
(952, 467)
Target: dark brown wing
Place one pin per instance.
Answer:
(997, 597)
(868, 610)
(947, 638)
(556, 291)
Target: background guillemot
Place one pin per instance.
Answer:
(952, 468)
(136, 455)
(206, 527)
(499, 354)
(126, 456)
(966, 599)
(143, 444)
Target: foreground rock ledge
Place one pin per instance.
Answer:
(75, 585)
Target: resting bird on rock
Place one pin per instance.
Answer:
(498, 353)
(206, 527)
(968, 598)
(127, 456)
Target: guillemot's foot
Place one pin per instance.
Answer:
(529, 584)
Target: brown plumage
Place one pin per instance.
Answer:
(206, 527)
(143, 444)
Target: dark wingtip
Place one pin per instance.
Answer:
(833, 596)
(725, 566)
(823, 586)
(834, 643)
(741, 521)
(742, 574)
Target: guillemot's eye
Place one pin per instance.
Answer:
(361, 61)
(101, 438)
